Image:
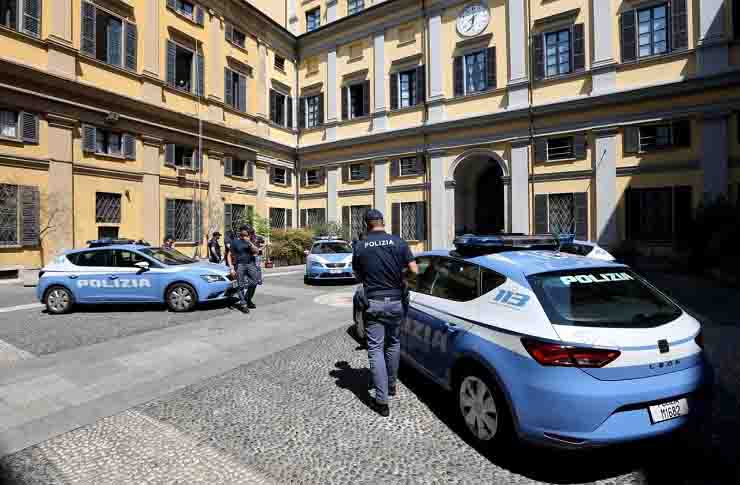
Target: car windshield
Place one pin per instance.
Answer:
(331, 248)
(170, 257)
(602, 297)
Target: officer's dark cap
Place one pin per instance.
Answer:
(373, 215)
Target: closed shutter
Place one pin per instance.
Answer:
(396, 219)
(395, 168)
(250, 170)
(321, 216)
(491, 66)
(171, 65)
(421, 164)
(129, 146)
(321, 109)
(88, 35)
(30, 216)
(169, 154)
(89, 135)
(131, 46)
(683, 213)
(288, 178)
(197, 159)
(541, 225)
(538, 54)
(345, 173)
(579, 48)
(302, 112)
(366, 171)
(227, 217)
(200, 16)
(169, 218)
(421, 85)
(457, 69)
(682, 133)
(628, 36)
(304, 178)
(421, 221)
(114, 48)
(200, 75)
(304, 217)
(198, 226)
(273, 107)
(679, 24)
(631, 139)
(228, 166)
(228, 87)
(580, 203)
(366, 98)
(288, 218)
(579, 146)
(32, 17)
(289, 116)
(242, 94)
(345, 221)
(345, 103)
(540, 150)
(394, 90)
(29, 124)
(272, 175)
(229, 32)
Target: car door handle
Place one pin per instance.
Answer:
(451, 327)
(73, 276)
(112, 277)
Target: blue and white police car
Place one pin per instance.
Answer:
(329, 259)
(554, 348)
(130, 273)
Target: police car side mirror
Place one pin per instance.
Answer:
(142, 265)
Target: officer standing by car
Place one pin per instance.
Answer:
(380, 261)
(214, 248)
(243, 263)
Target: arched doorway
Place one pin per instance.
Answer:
(479, 196)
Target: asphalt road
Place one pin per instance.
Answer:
(293, 411)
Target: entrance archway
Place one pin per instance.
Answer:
(479, 195)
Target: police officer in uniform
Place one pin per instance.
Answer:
(243, 263)
(380, 261)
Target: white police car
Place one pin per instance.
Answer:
(554, 348)
(130, 273)
(329, 259)
(586, 248)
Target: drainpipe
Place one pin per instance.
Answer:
(425, 57)
(530, 91)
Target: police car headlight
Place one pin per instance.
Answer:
(316, 264)
(212, 278)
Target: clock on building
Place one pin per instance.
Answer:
(473, 19)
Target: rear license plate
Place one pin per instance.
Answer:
(669, 410)
(335, 271)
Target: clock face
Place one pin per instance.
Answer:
(473, 20)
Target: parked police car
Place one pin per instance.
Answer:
(130, 273)
(555, 348)
(329, 259)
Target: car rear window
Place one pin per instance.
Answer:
(603, 297)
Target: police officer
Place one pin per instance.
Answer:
(380, 261)
(243, 263)
(214, 248)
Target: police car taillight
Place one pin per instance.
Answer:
(551, 354)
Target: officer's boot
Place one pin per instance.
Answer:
(250, 295)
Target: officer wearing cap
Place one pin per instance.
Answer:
(380, 261)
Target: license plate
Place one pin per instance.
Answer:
(335, 271)
(669, 410)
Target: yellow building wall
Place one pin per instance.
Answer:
(19, 49)
(655, 71)
(20, 149)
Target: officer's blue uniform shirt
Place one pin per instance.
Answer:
(379, 262)
(242, 252)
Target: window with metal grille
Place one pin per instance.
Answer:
(409, 166)
(560, 148)
(313, 177)
(658, 214)
(21, 16)
(9, 124)
(652, 30)
(279, 63)
(654, 137)
(562, 214)
(9, 220)
(239, 216)
(407, 89)
(313, 19)
(357, 219)
(279, 176)
(278, 218)
(184, 230)
(107, 208)
(315, 217)
(557, 52)
(476, 72)
(354, 6)
(312, 111)
(409, 220)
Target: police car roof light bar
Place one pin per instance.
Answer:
(470, 244)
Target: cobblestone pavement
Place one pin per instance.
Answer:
(299, 416)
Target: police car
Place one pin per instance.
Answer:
(130, 273)
(554, 348)
(585, 248)
(329, 259)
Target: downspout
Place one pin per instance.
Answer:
(530, 91)
(425, 57)
(297, 164)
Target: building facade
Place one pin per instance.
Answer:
(611, 119)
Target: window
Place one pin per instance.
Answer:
(239, 168)
(313, 218)
(19, 126)
(353, 218)
(279, 63)
(562, 214)
(407, 95)
(236, 36)
(413, 221)
(557, 52)
(9, 214)
(235, 90)
(236, 215)
(455, 280)
(475, 72)
(183, 220)
(408, 166)
(490, 280)
(107, 208)
(648, 138)
(279, 176)
(107, 37)
(281, 109)
(126, 259)
(188, 10)
(560, 148)
(422, 281)
(184, 7)
(280, 218)
(331, 248)
(21, 16)
(354, 6)
(356, 100)
(313, 111)
(106, 142)
(9, 124)
(107, 232)
(19, 215)
(185, 69)
(658, 214)
(313, 177)
(99, 258)
(358, 171)
(652, 30)
(313, 19)
(182, 156)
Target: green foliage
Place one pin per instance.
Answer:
(334, 229)
(260, 224)
(288, 245)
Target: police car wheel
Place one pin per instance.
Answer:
(482, 408)
(181, 298)
(58, 300)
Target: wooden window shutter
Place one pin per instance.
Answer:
(366, 171)
(345, 219)
(541, 225)
(491, 66)
(628, 36)
(302, 112)
(250, 170)
(679, 24)
(132, 43)
(540, 150)
(304, 178)
(32, 17)
(200, 75)
(29, 127)
(345, 102)
(228, 87)
(304, 217)
(228, 166)
(579, 48)
(457, 68)
(394, 90)
(169, 154)
(579, 146)
(538, 54)
(289, 116)
(288, 218)
(242, 94)
(129, 146)
(197, 159)
(227, 217)
(89, 136)
(169, 216)
(88, 35)
(631, 139)
(272, 175)
(321, 109)
(113, 48)
(289, 177)
(171, 65)
(345, 173)
(396, 219)
(421, 221)
(421, 85)
(273, 107)
(200, 16)
(580, 209)
(682, 133)
(30, 216)
(395, 168)
(229, 32)
(421, 164)
(366, 98)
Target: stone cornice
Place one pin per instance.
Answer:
(61, 121)
(82, 169)
(24, 162)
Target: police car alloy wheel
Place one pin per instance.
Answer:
(481, 408)
(58, 300)
(181, 298)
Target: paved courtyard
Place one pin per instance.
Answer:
(115, 395)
